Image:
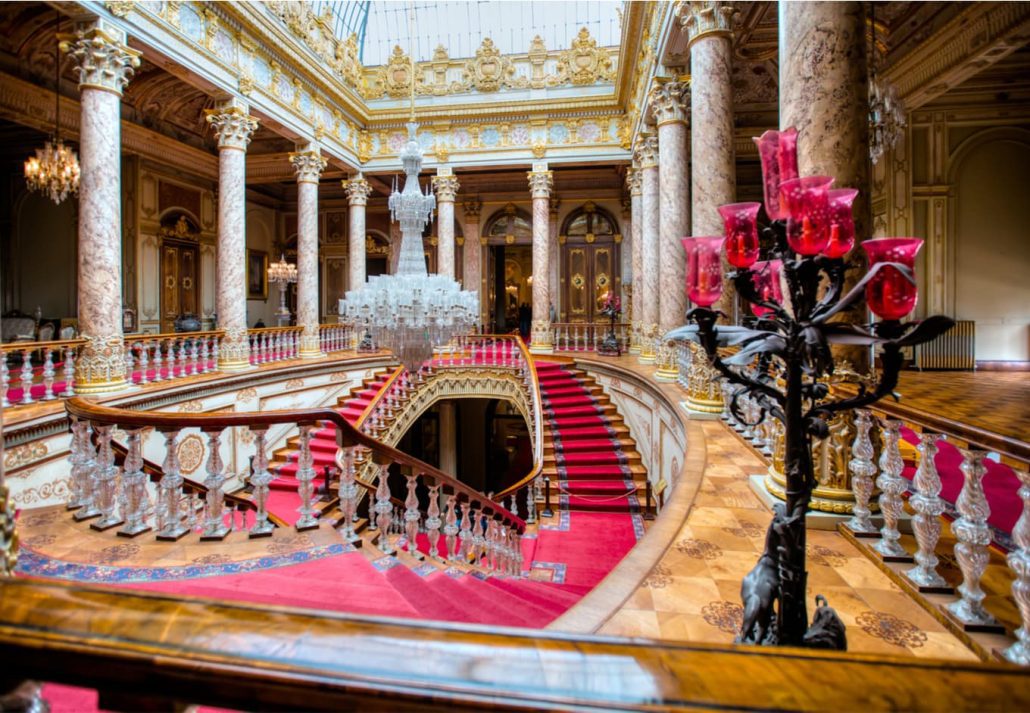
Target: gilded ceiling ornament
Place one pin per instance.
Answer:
(489, 70)
(585, 62)
(539, 149)
(669, 101)
(181, 230)
(472, 208)
(347, 62)
(120, 8)
(395, 76)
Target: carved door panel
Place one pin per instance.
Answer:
(179, 292)
(588, 276)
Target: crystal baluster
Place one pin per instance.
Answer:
(48, 375)
(76, 454)
(1019, 563)
(5, 380)
(260, 480)
(863, 470)
(305, 479)
(214, 525)
(433, 521)
(478, 536)
(69, 371)
(170, 489)
(204, 354)
(411, 515)
(88, 484)
(465, 532)
(130, 363)
(215, 347)
(26, 377)
(891, 485)
(513, 505)
(973, 535)
(107, 482)
(348, 495)
(194, 356)
(384, 509)
(450, 528)
(516, 545)
(180, 356)
(531, 502)
(158, 376)
(134, 487)
(926, 524)
(144, 364)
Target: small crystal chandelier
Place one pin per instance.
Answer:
(282, 273)
(411, 311)
(54, 170)
(886, 112)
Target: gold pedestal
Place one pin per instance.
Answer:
(703, 391)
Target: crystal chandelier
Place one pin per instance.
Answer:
(886, 112)
(282, 273)
(54, 170)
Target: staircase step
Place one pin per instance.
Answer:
(426, 600)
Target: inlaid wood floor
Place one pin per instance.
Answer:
(694, 592)
(996, 401)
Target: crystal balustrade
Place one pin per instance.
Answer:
(588, 336)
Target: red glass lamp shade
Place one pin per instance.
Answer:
(808, 213)
(766, 278)
(741, 221)
(842, 223)
(889, 294)
(704, 269)
(779, 153)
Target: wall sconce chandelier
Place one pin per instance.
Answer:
(54, 170)
(886, 111)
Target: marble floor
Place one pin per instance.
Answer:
(693, 593)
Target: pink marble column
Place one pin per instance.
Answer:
(554, 274)
(540, 183)
(713, 180)
(668, 102)
(234, 127)
(446, 188)
(646, 155)
(823, 93)
(472, 271)
(104, 65)
(358, 191)
(635, 183)
(308, 164)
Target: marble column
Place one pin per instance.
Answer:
(446, 187)
(646, 155)
(540, 182)
(234, 127)
(104, 65)
(713, 179)
(824, 94)
(448, 439)
(668, 103)
(472, 271)
(358, 191)
(308, 163)
(555, 271)
(635, 182)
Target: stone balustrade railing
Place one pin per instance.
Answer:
(37, 371)
(588, 336)
(152, 358)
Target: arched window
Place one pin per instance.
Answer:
(509, 225)
(589, 220)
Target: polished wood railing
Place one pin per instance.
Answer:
(153, 358)
(53, 378)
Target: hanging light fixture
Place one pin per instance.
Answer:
(886, 112)
(411, 311)
(54, 170)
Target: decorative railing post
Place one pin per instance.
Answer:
(450, 528)
(134, 487)
(926, 524)
(170, 489)
(433, 521)
(411, 515)
(465, 536)
(259, 481)
(892, 485)
(305, 478)
(384, 509)
(107, 482)
(1019, 562)
(77, 488)
(348, 494)
(973, 535)
(26, 376)
(88, 478)
(214, 526)
(863, 470)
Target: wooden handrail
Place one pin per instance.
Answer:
(379, 396)
(346, 435)
(538, 446)
(33, 346)
(266, 330)
(144, 336)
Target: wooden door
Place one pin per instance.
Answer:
(179, 291)
(589, 272)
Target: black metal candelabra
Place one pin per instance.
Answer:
(794, 338)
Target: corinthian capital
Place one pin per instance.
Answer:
(645, 150)
(308, 165)
(102, 59)
(540, 183)
(232, 124)
(472, 207)
(669, 101)
(358, 190)
(446, 188)
(635, 182)
(706, 18)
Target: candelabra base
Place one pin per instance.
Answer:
(696, 415)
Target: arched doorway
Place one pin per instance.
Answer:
(590, 244)
(180, 253)
(509, 240)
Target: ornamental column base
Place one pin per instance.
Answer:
(234, 351)
(634, 339)
(704, 394)
(100, 368)
(540, 338)
(310, 347)
(665, 360)
(648, 344)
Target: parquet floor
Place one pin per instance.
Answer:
(694, 591)
(997, 401)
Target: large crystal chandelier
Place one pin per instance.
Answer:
(54, 170)
(411, 311)
(886, 112)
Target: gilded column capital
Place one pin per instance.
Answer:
(540, 183)
(102, 58)
(669, 101)
(472, 208)
(635, 182)
(706, 18)
(308, 165)
(232, 124)
(358, 190)
(645, 151)
(446, 188)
